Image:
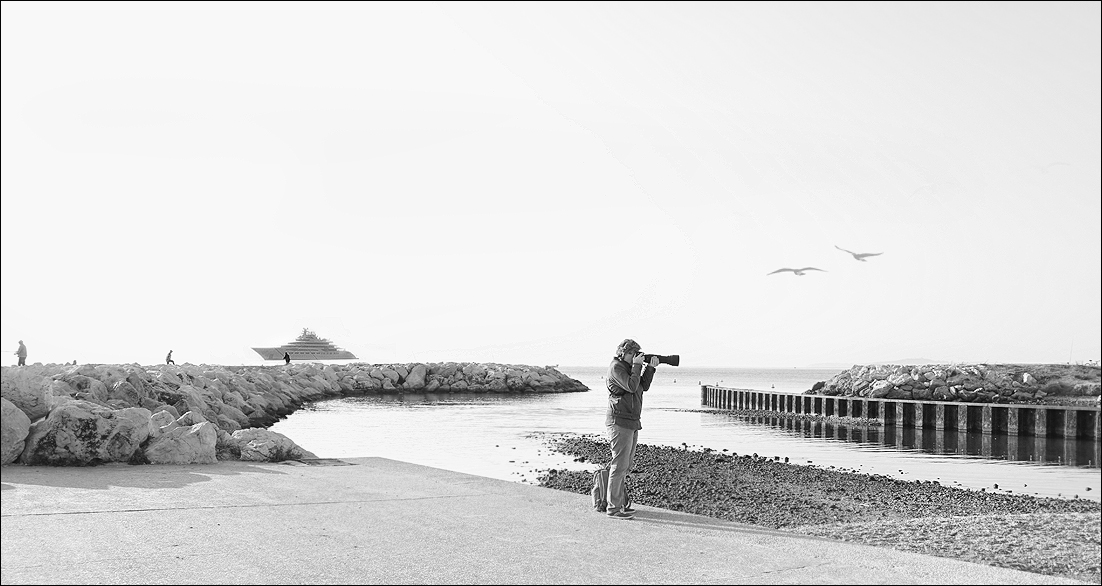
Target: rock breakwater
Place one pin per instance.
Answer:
(82, 415)
(973, 383)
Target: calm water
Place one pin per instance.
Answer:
(498, 436)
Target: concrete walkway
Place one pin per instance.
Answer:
(372, 520)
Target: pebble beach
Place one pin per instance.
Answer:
(1051, 536)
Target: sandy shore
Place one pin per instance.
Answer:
(1056, 537)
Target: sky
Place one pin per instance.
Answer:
(531, 183)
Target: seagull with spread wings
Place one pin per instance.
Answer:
(798, 272)
(859, 255)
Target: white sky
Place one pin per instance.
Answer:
(435, 182)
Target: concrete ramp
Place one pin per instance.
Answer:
(373, 520)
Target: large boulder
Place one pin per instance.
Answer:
(391, 375)
(15, 426)
(184, 444)
(123, 390)
(416, 378)
(880, 389)
(922, 394)
(81, 433)
(29, 389)
(262, 445)
(900, 379)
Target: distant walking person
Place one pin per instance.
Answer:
(169, 360)
(286, 358)
(629, 376)
(21, 353)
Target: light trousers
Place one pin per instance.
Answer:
(622, 440)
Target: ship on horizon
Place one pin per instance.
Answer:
(307, 346)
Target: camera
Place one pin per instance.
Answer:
(672, 359)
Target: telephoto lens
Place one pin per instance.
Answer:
(672, 359)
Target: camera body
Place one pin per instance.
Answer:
(672, 359)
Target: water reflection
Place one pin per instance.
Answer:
(993, 446)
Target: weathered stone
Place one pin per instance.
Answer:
(416, 378)
(14, 427)
(898, 393)
(159, 420)
(192, 444)
(262, 445)
(880, 389)
(124, 391)
(900, 379)
(28, 390)
(79, 433)
(1087, 389)
(391, 375)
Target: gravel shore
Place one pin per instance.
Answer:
(1057, 537)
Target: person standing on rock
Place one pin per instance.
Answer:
(21, 353)
(169, 360)
(629, 376)
(287, 358)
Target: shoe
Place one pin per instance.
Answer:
(629, 509)
(620, 515)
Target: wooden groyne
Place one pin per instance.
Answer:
(1059, 421)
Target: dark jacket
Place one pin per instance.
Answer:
(626, 384)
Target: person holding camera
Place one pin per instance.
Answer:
(629, 376)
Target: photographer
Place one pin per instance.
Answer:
(629, 376)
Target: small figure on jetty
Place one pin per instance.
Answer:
(798, 272)
(859, 255)
(287, 358)
(21, 352)
(629, 376)
(169, 360)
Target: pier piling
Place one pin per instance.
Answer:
(1040, 421)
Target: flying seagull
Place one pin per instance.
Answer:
(859, 255)
(799, 272)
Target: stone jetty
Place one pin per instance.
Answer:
(81, 415)
(970, 383)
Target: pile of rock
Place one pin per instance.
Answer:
(66, 415)
(979, 383)
(455, 377)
